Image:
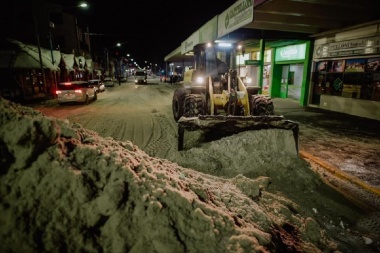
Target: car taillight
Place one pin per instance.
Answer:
(78, 91)
(58, 92)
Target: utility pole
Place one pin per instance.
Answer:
(39, 49)
(51, 27)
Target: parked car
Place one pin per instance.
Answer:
(108, 82)
(98, 84)
(76, 91)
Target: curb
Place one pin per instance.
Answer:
(338, 173)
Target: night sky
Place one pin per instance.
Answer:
(150, 29)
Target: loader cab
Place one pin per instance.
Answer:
(214, 59)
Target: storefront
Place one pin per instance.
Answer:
(284, 72)
(250, 65)
(346, 76)
(290, 72)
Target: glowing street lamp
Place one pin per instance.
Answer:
(83, 5)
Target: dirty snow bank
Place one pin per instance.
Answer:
(66, 189)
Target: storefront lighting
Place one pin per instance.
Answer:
(223, 44)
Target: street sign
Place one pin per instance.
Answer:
(252, 62)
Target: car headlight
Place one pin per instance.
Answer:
(200, 79)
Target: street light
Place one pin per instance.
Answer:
(118, 44)
(83, 5)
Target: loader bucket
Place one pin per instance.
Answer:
(234, 124)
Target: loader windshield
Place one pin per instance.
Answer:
(217, 61)
(213, 60)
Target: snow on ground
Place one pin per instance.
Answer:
(66, 189)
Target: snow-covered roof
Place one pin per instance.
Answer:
(81, 62)
(89, 64)
(69, 61)
(27, 57)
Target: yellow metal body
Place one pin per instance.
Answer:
(221, 100)
(187, 76)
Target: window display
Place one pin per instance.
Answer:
(351, 78)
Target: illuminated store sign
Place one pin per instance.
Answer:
(348, 48)
(290, 53)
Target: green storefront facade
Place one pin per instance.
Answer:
(291, 72)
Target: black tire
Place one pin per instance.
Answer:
(194, 105)
(261, 105)
(86, 101)
(178, 102)
(95, 96)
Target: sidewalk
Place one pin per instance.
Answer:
(340, 143)
(291, 109)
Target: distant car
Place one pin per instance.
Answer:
(76, 91)
(166, 78)
(141, 76)
(98, 84)
(108, 82)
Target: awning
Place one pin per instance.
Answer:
(312, 16)
(278, 21)
(177, 56)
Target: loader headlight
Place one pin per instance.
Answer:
(200, 80)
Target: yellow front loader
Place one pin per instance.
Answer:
(216, 98)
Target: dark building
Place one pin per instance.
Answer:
(38, 30)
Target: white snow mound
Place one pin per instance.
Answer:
(66, 189)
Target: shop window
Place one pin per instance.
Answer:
(352, 78)
(367, 87)
(376, 87)
(334, 84)
(337, 66)
(352, 85)
(319, 79)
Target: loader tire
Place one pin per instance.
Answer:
(261, 105)
(194, 105)
(178, 103)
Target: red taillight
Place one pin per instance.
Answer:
(78, 91)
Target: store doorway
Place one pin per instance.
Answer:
(291, 81)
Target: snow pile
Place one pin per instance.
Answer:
(270, 152)
(66, 189)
